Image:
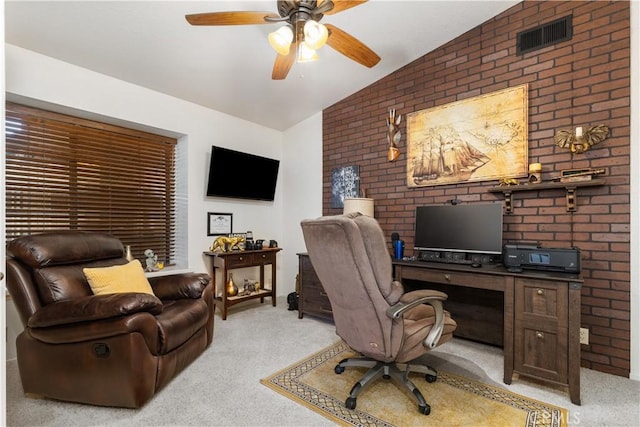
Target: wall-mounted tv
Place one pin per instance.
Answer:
(472, 228)
(241, 175)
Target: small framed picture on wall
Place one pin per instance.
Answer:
(219, 224)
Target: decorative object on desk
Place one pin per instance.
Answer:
(345, 182)
(578, 175)
(242, 244)
(463, 392)
(364, 205)
(507, 182)
(393, 135)
(579, 141)
(477, 139)
(232, 289)
(151, 261)
(128, 255)
(219, 224)
(535, 173)
(273, 244)
(226, 244)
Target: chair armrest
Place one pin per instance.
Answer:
(94, 307)
(179, 286)
(422, 296)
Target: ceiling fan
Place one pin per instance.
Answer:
(301, 33)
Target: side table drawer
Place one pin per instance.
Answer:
(315, 300)
(239, 260)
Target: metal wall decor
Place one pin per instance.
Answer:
(578, 141)
(393, 135)
(477, 139)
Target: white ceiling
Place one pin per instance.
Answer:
(228, 69)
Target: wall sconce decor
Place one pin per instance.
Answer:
(579, 141)
(393, 135)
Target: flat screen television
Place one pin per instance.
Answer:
(241, 175)
(473, 228)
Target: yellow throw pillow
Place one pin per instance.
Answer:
(118, 279)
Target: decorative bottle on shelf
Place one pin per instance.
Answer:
(232, 289)
(129, 255)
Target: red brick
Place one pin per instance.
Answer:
(584, 81)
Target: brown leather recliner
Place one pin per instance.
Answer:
(109, 350)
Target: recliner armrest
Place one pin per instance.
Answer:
(179, 286)
(94, 307)
(423, 296)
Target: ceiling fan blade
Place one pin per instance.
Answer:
(351, 47)
(340, 5)
(230, 18)
(284, 63)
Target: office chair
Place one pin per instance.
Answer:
(371, 311)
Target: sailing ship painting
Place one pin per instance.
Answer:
(479, 139)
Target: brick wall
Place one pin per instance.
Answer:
(584, 81)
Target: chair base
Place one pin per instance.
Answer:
(398, 372)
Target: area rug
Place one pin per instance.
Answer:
(454, 400)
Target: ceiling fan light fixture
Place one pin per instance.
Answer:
(306, 54)
(280, 40)
(315, 34)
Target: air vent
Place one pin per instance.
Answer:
(544, 35)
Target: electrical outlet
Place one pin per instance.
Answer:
(584, 336)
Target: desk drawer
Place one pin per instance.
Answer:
(264, 258)
(452, 277)
(541, 302)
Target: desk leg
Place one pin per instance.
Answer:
(574, 342)
(224, 293)
(508, 328)
(273, 284)
(262, 280)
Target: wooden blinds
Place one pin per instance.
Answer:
(65, 172)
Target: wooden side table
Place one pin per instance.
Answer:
(242, 259)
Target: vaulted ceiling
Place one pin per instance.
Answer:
(228, 68)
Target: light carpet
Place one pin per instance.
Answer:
(455, 400)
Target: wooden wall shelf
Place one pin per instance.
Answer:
(569, 187)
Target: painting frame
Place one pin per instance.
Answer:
(345, 183)
(482, 138)
(219, 224)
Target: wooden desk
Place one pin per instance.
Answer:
(241, 259)
(541, 323)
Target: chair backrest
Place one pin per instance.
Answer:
(349, 256)
(45, 268)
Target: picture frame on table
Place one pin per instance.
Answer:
(219, 224)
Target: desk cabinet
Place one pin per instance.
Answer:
(312, 298)
(242, 259)
(541, 316)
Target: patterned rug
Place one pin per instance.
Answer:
(454, 400)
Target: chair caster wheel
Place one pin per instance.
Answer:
(338, 369)
(350, 403)
(430, 378)
(424, 410)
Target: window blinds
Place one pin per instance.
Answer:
(65, 172)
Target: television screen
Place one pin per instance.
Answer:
(474, 228)
(241, 175)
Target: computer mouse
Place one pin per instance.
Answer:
(476, 265)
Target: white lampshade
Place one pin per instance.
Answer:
(315, 34)
(306, 54)
(359, 204)
(280, 40)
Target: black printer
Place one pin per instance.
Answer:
(516, 257)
